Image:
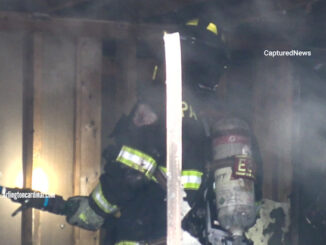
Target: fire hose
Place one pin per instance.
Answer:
(29, 198)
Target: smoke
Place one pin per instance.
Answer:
(250, 28)
(312, 113)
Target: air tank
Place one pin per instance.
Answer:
(234, 176)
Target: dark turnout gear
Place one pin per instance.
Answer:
(129, 184)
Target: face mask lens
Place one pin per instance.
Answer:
(207, 88)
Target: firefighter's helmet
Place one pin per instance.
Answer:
(204, 55)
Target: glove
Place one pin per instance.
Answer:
(79, 213)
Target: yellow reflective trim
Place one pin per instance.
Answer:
(98, 196)
(131, 164)
(138, 153)
(83, 217)
(193, 22)
(212, 28)
(191, 179)
(127, 243)
(137, 160)
(155, 72)
(191, 186)
(192, 173)
(163, 169)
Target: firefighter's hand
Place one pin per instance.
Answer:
(79, 213)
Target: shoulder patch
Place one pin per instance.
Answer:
(144, 115)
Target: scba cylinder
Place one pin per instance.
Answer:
(235, 201)
(231, 136)
(234, 175)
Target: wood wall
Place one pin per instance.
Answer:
(11, 77)
(66, 73)
(272, 120)
(51, 96)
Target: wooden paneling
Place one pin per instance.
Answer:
(126, 57)
(28, 135)
(88, 126)
(11, 81)
(52, 65)
(58, 79)
(120, 90)
(32, 133)
(79, 27)
(272, 123)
